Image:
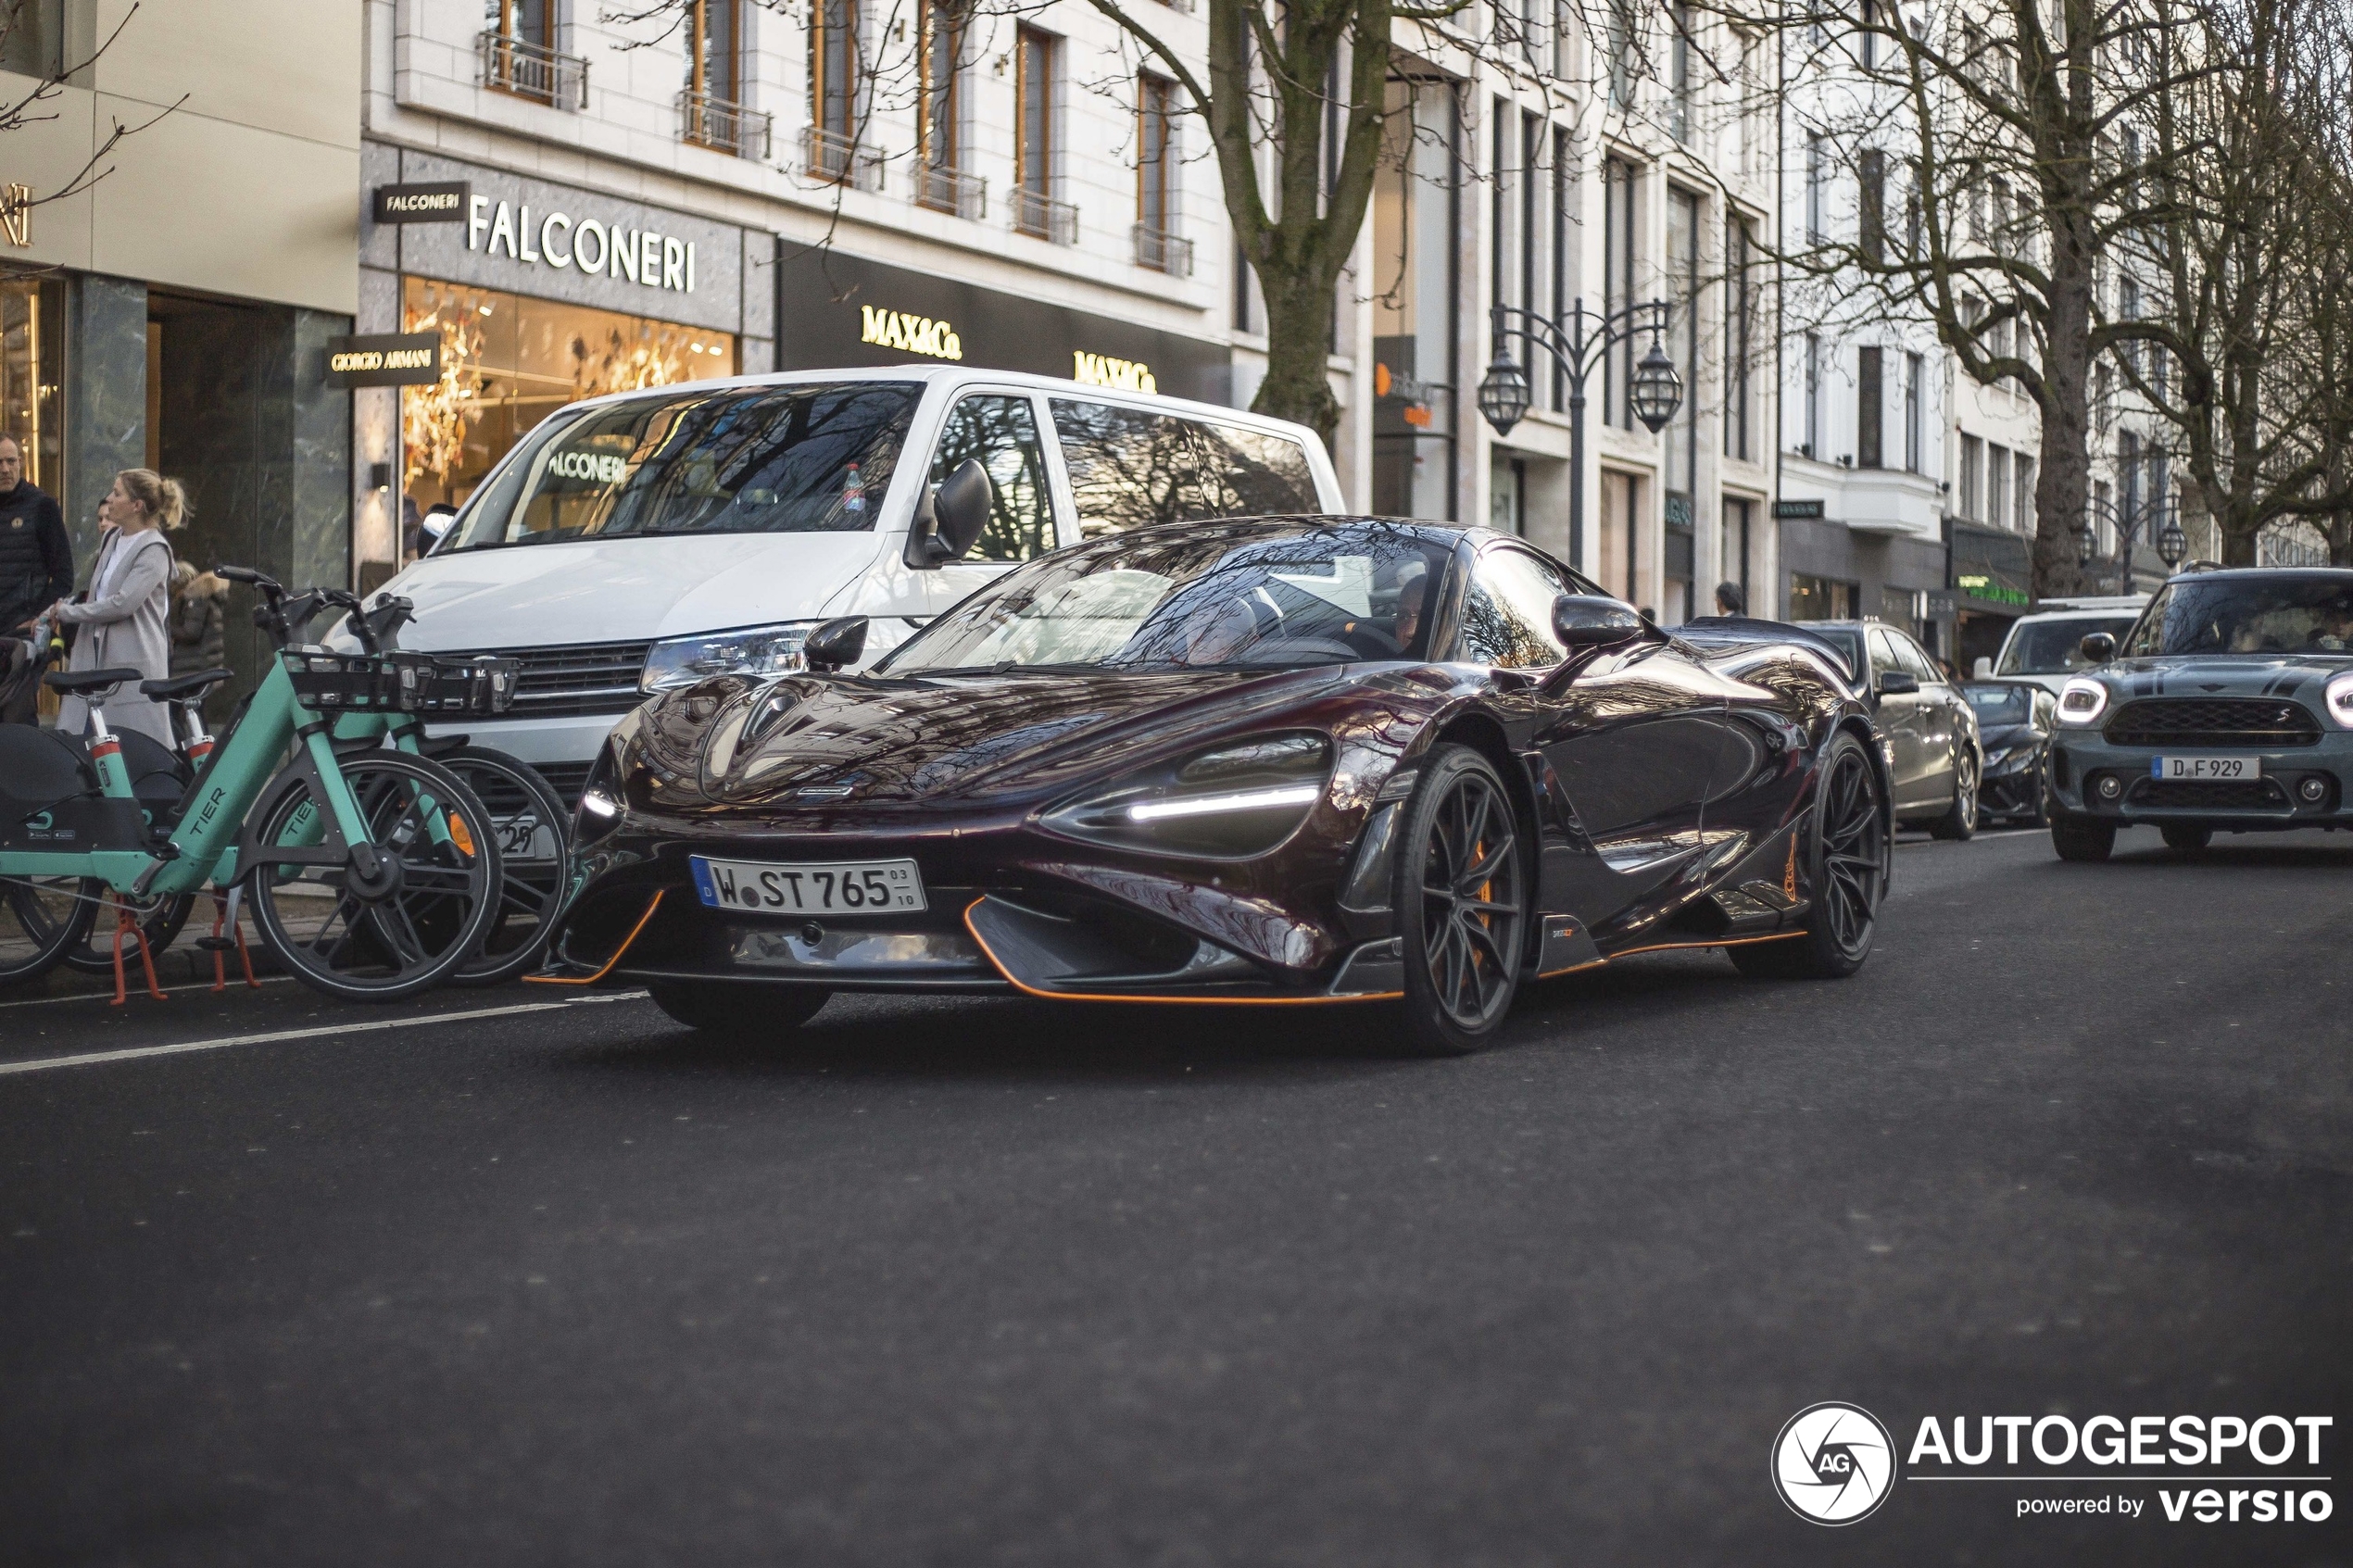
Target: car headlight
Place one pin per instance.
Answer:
(1995, 758)
(756, 651)
(2340, 699)
(1231, 802)
(2082, 701)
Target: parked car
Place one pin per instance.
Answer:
(1265, 761)
(1930, 734)
(2015, 720)
(2229, 706)
(646, 540)
(2045, 648)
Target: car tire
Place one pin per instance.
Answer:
(1959, 821)
(2186, 838)
(2082, 838)
(1462, 895)
(736, 1011)
(1847, 849)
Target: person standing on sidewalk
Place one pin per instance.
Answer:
(123, 621)
(37, 564)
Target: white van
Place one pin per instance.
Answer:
(646, 539)
(2044, 648)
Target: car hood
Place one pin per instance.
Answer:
(2226, 674)
(805, 742)
(624, 590)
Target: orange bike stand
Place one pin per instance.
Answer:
(126, 925)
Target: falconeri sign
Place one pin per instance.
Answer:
(556, 239)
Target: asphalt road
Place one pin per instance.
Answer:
(989, 1282)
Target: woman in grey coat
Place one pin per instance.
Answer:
(124, 618)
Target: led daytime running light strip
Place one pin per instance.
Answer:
(1206, 805)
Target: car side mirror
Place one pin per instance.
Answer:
(1898, 682)
(949, 521)
(1583, 621)
(834, 645)
(2097, 647)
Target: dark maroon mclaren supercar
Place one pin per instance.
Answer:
(1271, 761)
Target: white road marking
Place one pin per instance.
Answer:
(91, 1058)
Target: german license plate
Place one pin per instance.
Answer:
(2194, 767)
(839, 887)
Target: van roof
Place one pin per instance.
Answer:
(926, 374)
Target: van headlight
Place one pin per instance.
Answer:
(756, 651)
(2340, 699)
(1231, 802)
(2082, 701)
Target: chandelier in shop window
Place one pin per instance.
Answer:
(433, 420)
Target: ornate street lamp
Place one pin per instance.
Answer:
(2087, 543)
(1577, 343)
(2172, 543)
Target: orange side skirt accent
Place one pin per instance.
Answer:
(1160, 1001)
(592, 979)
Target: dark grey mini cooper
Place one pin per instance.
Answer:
(2229, 707)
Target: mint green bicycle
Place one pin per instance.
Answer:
(373, 874)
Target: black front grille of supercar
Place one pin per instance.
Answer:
(2210, 795)
(562, 683)
(2220, 721)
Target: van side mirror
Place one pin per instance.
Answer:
(835, 644)
(949, 521)
(1584, 622)
(1983, 670)
(1898, 682)
(2097, 647)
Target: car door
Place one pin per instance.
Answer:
(1944, 719)
(1898, 715)
(1001, 430)
(1632, 738)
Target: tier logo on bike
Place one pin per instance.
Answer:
(1833, 1464)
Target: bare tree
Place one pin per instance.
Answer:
(36, 104)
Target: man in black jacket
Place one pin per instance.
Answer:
(37, 564)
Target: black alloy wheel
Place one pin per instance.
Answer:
(1960, 821)
(2186, 838)
(1846, 857)
(1462, 903)
(735, 1011)
(2087, 839)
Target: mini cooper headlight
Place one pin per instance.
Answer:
(756, 651)
(2082, 701)
(1234, 801)
(2340, 699)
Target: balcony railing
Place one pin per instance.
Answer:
(723, 127)
(1163, 252)
(951, 190)
(533, 71)
(1042, 216)
(830, 158)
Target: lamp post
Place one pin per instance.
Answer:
(2129, 523)
(1576, 344)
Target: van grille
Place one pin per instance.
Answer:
(583, 678)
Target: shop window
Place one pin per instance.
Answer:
(1000, 433)
(1129, 467)
(1819, 598)
(33, 374)
(508, 362)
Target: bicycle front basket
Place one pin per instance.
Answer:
(342, 683)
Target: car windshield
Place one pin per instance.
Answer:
(2000, 704)
(1327, 597)
(2282, 612)
(774, 460)
(2054, 647)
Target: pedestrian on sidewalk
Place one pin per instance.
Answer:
(36, 567)
(1730, 600)
(123, 620)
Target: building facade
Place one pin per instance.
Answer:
(166, 298)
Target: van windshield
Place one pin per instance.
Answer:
(774, 459)
(2054, 647)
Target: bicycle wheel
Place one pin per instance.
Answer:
(533, 832)
(41, 920)
(161, 916)
(378, 934)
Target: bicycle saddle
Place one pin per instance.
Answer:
(75, 682)
(179, 686)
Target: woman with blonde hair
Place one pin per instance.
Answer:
(124, 620)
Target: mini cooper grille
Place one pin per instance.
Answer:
(2197, 721)
(583, 678)
(2210, 795)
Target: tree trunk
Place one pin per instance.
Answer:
(1299, 319)
(2063, 478)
